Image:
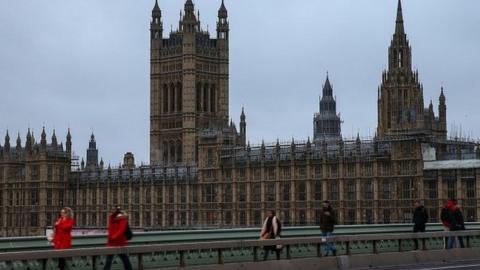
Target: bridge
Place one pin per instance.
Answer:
(359, 247)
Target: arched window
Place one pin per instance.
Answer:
(172, 97)
(199, 97)
(179, 97)
(172, 152)
(165, 98)
(179, 151)
(165, 152)
(205, 98)
(213, 99)
(400, 59)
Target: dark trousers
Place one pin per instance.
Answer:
(267, 251)
(123, 257)
(61, 263)
(416, 229)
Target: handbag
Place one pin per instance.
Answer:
(278, 246)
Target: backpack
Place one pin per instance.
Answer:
(445, 215)
(128, 233)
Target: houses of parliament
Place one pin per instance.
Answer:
(204, 174)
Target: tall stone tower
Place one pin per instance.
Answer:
(92, 153)
(400, 97)
(188, 84)
(326, 123)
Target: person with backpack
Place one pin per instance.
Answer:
(327, 225)
(420, 219)
(118, 235)
(457, 223)
(271, 229)
(62, 234)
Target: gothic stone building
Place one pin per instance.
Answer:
(204, 174)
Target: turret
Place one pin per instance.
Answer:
(19, 144)
(189, 23)
(156, 25)
(92, 152)
(6, 145)
(29, 141)
(222, 24)
(43, 140)
(54, 139)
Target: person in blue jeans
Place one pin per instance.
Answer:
(327, 225)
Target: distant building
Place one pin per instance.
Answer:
(326, 123)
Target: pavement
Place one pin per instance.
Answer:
(465, 265)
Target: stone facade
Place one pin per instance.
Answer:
(188, 85)
(204, 174)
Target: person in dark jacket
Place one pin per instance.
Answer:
(117, 227)
(457, 223)
(327, 226)
(271, 230)
(420, 219)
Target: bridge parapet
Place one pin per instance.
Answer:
(225, 252)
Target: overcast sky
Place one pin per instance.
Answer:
(85, 65)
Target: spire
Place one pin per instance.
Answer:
(327, 88)
(242, 115)
(54, 139)
(6, 145)
(156, 7)
(442, 96)
(68, 144)
(222, 11)
(189, 7)
(43, 140)
(19, 141)
(399, 29)
(28, 143)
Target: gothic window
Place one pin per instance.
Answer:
(318, 190)
(157, 35)
(210, 195)
(213, 99)
(125, 196)
(179, 151)
(165, 152)
(256, 192)
(205, 98)
(172, 152)
(172, 98)
(286, 192)
(165, 98)
(301, 191)
(199, 97)
(400, 59)
(470, 188)
(368, 190)
(351, 191)
(179, 97)
(228, 193)
(270, 192)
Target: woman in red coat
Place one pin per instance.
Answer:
(117, 227)
(62, 233)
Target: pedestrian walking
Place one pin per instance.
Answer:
(327, 225)
(62, 233)
(271, 229)
(446, 218)
(457, 223)
(420, 219)
(117, 236)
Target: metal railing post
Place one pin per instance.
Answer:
(289, 256)
(94, 262)
(424, 244)
(140, 261)
(255, 254)
(375, 250)
(319, 250)
(347, 247)
(220, 256)
(400, 245)
(44, 264)
(182, 258)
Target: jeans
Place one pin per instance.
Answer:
(123, 257)
(452, 242)
(329, 246)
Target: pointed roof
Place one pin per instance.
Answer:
(222, 11)
(327, 88)
(156, 7)
(242, 115)
(399, 29)
(19, 141)
(69, 136)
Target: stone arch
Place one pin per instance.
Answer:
(213, 98)
(165, 98)
(179, 151)
(198, 97)
(205, 97)
(165, 152)
(172, 152)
